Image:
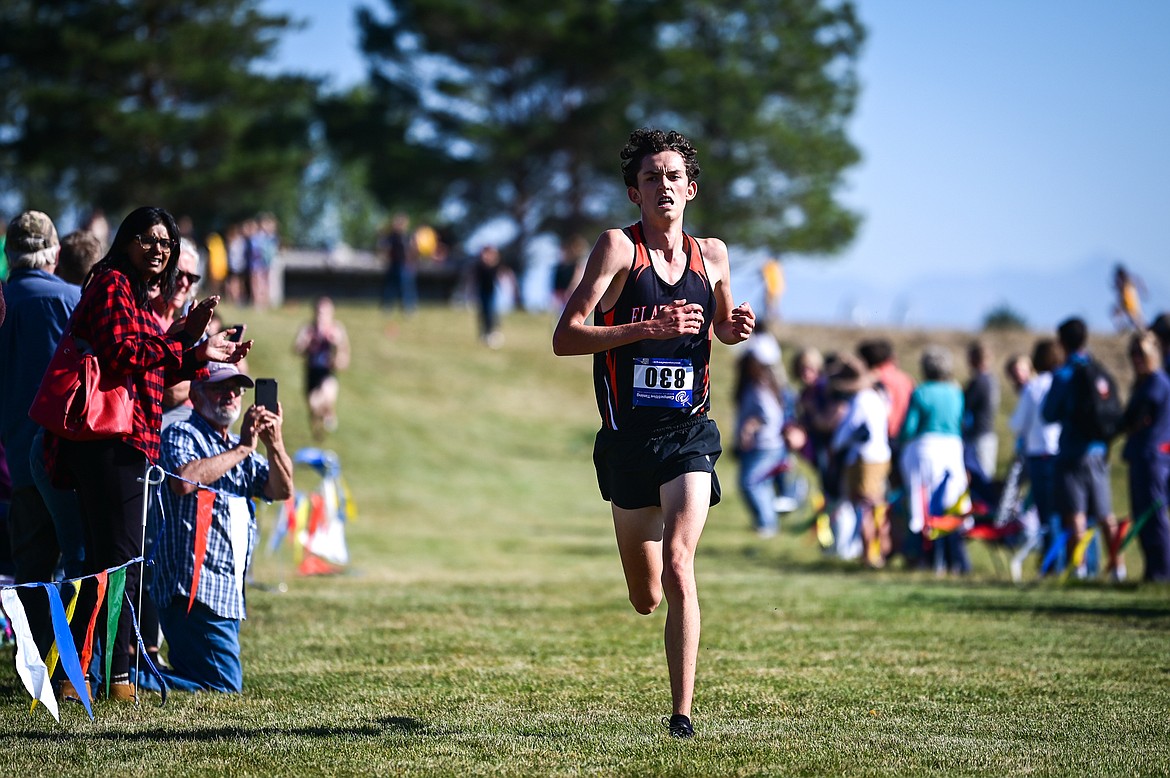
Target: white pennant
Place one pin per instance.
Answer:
(239, 520)
(29, 665)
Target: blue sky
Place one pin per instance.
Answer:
(1013, 152)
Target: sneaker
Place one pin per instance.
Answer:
(784, 504)
(679, 726)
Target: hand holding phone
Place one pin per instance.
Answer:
(236, 332)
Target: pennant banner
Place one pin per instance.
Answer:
(29, 665)
(1136, 527)
(116, 585)
(51, 661)
(205, 502)
(110, 584)
(87, 649)
(66, 649)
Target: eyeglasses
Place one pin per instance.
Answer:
(147, 242)
(192, 278)
(235, 390)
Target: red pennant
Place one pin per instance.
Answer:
(944, 525)
(315, 565)
(205, 501)
(87, 649)
(1123, 528)
(316, 513)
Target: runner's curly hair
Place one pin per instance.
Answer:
(644, 142)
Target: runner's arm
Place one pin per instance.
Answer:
(732, 325)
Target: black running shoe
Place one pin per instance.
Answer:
(679, 726)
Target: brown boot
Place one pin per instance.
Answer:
(123, 692)
(69, 692)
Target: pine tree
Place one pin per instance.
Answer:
(119, 103)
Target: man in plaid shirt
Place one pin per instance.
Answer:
(203, 631)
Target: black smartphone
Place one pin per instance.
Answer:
(266, 393)
(236, 332)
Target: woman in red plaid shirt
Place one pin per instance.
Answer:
(114, 317)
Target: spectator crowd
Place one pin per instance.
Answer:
(76, 504)
(912, 470)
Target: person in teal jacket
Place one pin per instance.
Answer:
(932, 459)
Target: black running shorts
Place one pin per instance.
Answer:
(631, 466)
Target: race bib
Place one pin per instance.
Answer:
(666, 383)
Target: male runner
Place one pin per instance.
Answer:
(657, 295)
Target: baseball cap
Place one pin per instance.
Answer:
(224, 371)
(764, 348)
(29, 233)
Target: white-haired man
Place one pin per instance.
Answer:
(200, 608)
(39, 306)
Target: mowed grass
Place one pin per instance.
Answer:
(483, 628)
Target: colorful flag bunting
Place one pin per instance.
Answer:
(51, 662)
(116, 586)
(1055, 552)
(1136, 527)
(29, 665)
(66, 648)
(87, 649)
(240, 523)
(205, 502)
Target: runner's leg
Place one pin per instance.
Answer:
(685, 502)
(639, 539)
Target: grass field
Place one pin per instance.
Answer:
(483, 629)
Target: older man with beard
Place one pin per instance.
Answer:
(200, 609)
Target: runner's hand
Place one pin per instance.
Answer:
(677, 318)
(743, 321)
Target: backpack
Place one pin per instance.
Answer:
(1097, 409)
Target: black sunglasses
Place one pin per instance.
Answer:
(148, 242)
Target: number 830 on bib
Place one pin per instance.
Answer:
(663, 382)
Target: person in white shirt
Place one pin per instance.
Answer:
(862, 439)
(1039, 441)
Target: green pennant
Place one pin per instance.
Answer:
(1136, 527)
(115, 588)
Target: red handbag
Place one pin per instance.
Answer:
(76, 401)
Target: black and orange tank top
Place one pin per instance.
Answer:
(655, 383)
